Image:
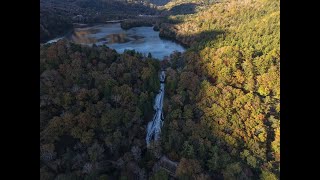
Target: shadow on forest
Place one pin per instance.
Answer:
(188, 8)
(188, 41)
(195, 66)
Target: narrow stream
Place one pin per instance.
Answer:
(154, 126)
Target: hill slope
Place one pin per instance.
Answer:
(222, 99)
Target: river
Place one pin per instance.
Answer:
(141, 39)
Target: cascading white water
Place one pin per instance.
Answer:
(154, 126)
(54, 40)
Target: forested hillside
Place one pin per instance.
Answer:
(94, 105)
(222, 107)
(221, 101)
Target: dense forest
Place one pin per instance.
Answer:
(94, 104)
(222, 106)
(221, 103)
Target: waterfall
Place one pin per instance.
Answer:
(154, 126)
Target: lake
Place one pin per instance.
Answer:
(141, 39)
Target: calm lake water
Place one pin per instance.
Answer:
(141, 39)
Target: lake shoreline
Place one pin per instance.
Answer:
(141, 39)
